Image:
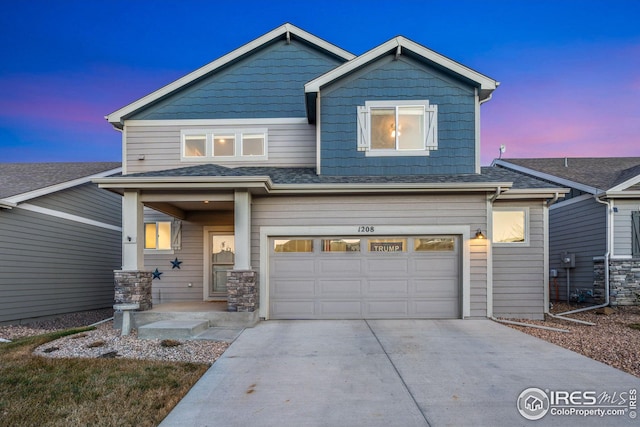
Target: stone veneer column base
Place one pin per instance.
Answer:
(132, 286)
(242, 290)
(624, 281)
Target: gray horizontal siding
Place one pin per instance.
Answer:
(622, 226)
(87, 201)
(50, 266)
(267, 83)
(578, 228)
(380, 210)
(403, 79)
(289, 145)
(518, 271)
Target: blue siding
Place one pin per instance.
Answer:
(402, 79)
(268, 83)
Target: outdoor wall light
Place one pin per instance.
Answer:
(479, 234)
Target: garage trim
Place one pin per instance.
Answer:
(464, 231)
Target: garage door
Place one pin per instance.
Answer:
(364, 278)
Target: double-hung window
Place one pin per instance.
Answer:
(223, 144)
(397, 128)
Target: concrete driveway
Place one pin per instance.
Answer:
(400, 373)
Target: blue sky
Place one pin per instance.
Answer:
(569, 70)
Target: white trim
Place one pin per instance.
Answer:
(19, 198)
(545, 260)
(318, 136)
(238, 139)
(115, 118)
(218, 122)
(489, 259)
(628, 183)
(546, 176)
(63, 215)
(486, 84)
(464, 231)
(7, 205)
(477, 130)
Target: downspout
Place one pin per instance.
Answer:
(495, 196)
(606, 264)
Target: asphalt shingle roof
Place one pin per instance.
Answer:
(19, 178)
(308, 176)
(599, 172)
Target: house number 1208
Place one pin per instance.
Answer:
(366, 229)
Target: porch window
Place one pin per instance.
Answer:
(397, 128)
(510, 226)
(157, 235)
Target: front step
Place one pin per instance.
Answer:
(173, 329)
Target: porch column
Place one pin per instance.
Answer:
(242, 230)
(132, 284)
(132, 231)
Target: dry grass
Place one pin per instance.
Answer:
(614, 340)
(38, 391)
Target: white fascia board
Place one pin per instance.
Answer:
(219, 122)
(537, 193)
(4, 204)
(386, 187)
(621, 195)
(548, 177)
(115, 118)
(487, 84)
(628, 183)
(19, 198)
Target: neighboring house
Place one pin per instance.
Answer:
(60, 239)
(597, 223)
(296, 179)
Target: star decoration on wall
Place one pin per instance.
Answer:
(156, 274)
(175, 263)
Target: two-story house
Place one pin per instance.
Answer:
(299, 181)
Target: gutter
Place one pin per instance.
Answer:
(5, 204)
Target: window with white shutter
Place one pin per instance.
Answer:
(397, 128)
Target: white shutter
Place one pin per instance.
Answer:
(431, 116)
(176, 235)
(363, 129)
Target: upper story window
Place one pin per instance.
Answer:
(397, 128)
(224, 144)
(511, 226)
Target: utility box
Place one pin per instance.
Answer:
(553, 272)
(568, 260)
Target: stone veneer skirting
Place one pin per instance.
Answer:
(624, 281)
(133, 287)
(242, 290)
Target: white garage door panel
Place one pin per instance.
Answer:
(340, 267)
(397, 288)
(345, 288)
(295, 288)
(361, 285)
(339, 309)
(387, 309)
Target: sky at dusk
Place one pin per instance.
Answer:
(569, 70)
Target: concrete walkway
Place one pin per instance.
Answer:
(391, 373)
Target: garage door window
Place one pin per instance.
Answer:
(293, 245)
(434, 244)
(394, 244)
(341, 245)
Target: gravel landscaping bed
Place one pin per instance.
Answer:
(613, 340)
(105, 341)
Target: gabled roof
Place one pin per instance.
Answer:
(590, 174)
(24, 181)
(398, 46)
(286, 31)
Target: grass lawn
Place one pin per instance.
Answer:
(38, 391)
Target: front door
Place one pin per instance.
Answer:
(222, 259)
